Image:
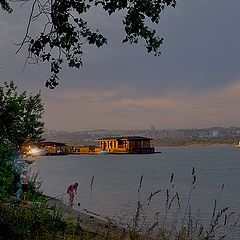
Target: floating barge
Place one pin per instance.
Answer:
(84, 150)
(127, 144)
(54, 148)
(107, 145)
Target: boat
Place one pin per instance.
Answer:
(103, 152)
(238, 145)
(35, 151)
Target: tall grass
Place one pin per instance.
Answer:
(184, 226)
(36, 219)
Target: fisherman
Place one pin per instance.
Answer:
(72, 190)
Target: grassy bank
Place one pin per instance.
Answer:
(42, 217)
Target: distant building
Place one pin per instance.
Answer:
(128, 144)
(215, 133)
(54, 148)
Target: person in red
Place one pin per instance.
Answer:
(72, 190)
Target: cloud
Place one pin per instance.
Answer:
(193, 83)
(176, 109)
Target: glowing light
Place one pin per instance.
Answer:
(36, 151)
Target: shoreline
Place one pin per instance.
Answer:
(197, 145)
(88, 221)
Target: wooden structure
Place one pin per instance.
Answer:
(54, 148)
(128, 144)
(85, 150)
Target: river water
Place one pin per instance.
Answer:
(109, 185)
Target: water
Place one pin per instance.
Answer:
(117, 177)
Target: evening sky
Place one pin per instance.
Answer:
(194, 83)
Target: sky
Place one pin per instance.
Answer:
(195, 83)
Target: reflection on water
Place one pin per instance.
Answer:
(116, 181)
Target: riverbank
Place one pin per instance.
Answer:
(23, 219)
(97, 227)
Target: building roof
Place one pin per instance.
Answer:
(128, 138)
(52, 144)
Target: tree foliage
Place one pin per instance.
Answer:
(5, 6)
(20, 116)
(6, 171)
(65, 30)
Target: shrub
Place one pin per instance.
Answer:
(7, 174)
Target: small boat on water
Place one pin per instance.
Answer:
(238, 145)
(103, 152)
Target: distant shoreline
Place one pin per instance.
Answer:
(197, 145)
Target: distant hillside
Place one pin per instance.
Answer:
(162, 137)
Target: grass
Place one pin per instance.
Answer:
(184, 226)
(36, 219)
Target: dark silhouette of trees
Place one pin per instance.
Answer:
(65, 31)
(20, 116)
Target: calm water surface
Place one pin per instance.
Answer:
(116, 180)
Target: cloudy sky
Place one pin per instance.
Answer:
(194, 83)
